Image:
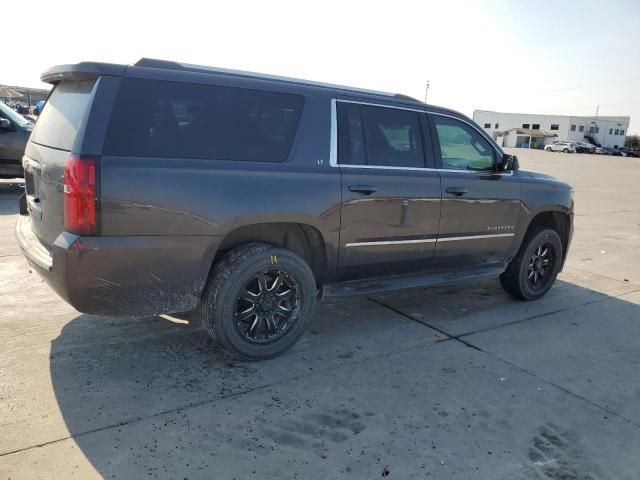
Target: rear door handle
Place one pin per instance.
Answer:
(363, 189)
(458, 191)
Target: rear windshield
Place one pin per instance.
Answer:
(172, 119)
(62, 115)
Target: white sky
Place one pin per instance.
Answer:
(495, 55)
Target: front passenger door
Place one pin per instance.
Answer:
(480, 206)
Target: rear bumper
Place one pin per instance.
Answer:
(124, 275)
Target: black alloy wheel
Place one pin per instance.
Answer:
(541, 266)
(266, 306)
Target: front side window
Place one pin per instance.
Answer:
(381, 136)
(153, 118)
(461, 146)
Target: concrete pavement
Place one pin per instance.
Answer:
(456, 382)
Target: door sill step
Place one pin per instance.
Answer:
(379, 285)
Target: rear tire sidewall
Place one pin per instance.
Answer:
(552, 237)
(223, 305)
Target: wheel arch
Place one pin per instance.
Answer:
(557, 220)
(301, 238)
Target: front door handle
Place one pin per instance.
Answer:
(457, 191)
(363, 189)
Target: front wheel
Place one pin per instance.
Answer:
(534, 270)
(259, 301)
(566, 150)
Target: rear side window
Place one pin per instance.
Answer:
(369, 135)
(62, 115)
(173, 119)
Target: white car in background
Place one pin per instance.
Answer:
(566, 147)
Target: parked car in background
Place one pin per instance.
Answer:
(566, 147)
(162, 187)
(586, 147)
(38, 108)
(14, 133)
(631, 152)
(601, 151)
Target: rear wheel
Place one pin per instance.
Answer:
(259, 301)
(533, 271)
(548, 149)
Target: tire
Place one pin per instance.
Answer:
(548, 149)
(566, 150)
(517, 278)
(276, 317)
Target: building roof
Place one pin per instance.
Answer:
(530, 131)
(618, 118)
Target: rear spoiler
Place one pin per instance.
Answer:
(81, 71)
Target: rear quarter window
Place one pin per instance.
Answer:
(63, 114)
(153, 118)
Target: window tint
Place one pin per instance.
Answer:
(393, 137)
(462, 147)
(62, 115)
(379, 136)
(174, 119)
(351, 148)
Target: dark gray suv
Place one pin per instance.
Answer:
(163, 187)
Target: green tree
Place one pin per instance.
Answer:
(632, 141)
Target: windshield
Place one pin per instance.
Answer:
(15, 117)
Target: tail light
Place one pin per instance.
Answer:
(80, 195)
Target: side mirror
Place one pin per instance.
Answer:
(507, 162)
(5, 124)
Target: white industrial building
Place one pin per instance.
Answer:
(528, 130)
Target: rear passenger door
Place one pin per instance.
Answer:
(480, 206)
(390, 192)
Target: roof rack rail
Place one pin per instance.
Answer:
(171, 65)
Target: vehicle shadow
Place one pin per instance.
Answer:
(110, 372)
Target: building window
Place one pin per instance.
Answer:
(555, 126)
(573, 128)
(591, 129)
(597, 129)
(611, 131)
(526, 125)
(581, 129)
(497, 125)
(536, 126)
(621, 132)
(617, 131)
(487, 125)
